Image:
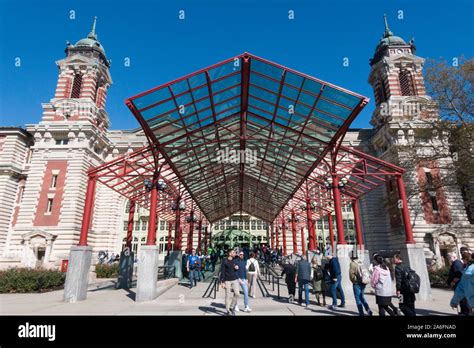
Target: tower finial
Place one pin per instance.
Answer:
(387, 32)
(92, 34)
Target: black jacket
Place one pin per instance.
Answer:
(228, 272)
(456, 270)
(290, 271)
(400, 273)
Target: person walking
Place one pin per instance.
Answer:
(465, 287)
(359, 277)
(336, 278)
(318, 280)
(454, 277)
(381, 281)
(289, 271)
(253, 271)
(230, 281)
(404, 293)
(192, 266)
(242, 274)
(303, 277)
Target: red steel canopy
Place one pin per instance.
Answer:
(244, 135)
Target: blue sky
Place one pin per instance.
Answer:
(161, 47)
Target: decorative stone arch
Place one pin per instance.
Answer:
(444, 243)
(37, 248)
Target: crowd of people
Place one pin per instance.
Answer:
(322, 276)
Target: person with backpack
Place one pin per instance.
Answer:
(289, 271)
(336, 278)
(253, 271)
(359, 277)
(318, 281)
(381, 281)
(407, 285)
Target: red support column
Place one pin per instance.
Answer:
(293, 230)
(405, 213)
(303, 242)
(170, 228)
(338, 210)
(131, 213)
(272, 236)
(199, 235)
(205, 239)
(311, 226)
(177, 229)
(277, 239)
(358, 228)
(331, 232)
(283, 233)
(87, 215)
(151, 238)
(190, 233)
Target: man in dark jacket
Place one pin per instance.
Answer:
(336, 278)
(230, 281)
(407, 300)
(303, 277)
(289, 271)
(454, 276)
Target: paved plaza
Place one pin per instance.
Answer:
(178, 299)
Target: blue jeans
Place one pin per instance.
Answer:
(193, 275)
(337, 286)
(360, 299)
(303, 284)
(245, 288)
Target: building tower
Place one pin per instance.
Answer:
(70, 138)
(404, 134)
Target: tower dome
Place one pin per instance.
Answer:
(89, 44)
(388, 39)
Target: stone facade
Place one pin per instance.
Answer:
(43, 167)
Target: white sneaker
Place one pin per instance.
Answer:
(236, 309)
(247, 309)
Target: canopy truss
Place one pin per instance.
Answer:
(244, 134)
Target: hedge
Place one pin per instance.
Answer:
(23, 280)
(438, 278)
(107, 271)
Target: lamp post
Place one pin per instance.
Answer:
(294, 219)
(178, 207)
(191, 219)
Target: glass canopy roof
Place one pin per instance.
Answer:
(244, 134)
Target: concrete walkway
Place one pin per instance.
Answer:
(180, 300)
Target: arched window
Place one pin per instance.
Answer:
(406, 83)
(76, 86)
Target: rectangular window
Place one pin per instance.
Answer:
(49, 206)
(137, 225)
(350, 224)
(434, 202)
(125, 225)
(162, 225)
(429, 180)
(54, 181)
(144, 225)
(62, 141)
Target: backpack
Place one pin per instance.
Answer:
(318, 274)
(363, 274)
(251, 267)
(412, 281)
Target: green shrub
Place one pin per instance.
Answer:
(107, 271)
(438, 278)
(22, 280)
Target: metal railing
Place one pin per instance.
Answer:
(271, 277)
(213, 288)
(166, 272)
